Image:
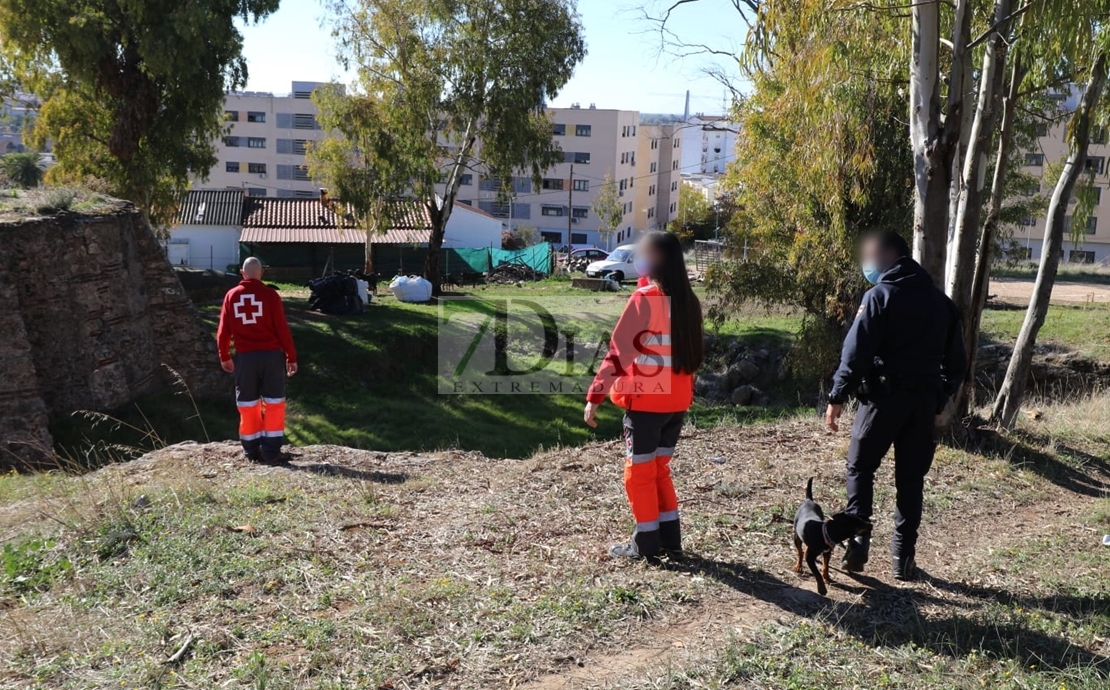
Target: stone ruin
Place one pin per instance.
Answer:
(90, 310)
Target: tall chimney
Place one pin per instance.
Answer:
(686, 115)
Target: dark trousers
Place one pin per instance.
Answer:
(904, 420)
(260, 397)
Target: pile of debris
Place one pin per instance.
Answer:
(510, 273)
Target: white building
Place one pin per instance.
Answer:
(708, 144)
(207, 231)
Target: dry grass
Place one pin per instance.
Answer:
(356, 569)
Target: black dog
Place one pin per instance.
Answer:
(820, 536)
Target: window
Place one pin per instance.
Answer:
(651, 213)
(552, 236)
(583, 130)
(581, 185)
(580, 212)
(231, 141)
(578, 238)
(1098, 135)
(256, 191)
(673, 207)
(674, 166)
(1092, 224)
(1031, 189)
(1042, 129)
(1095, 164)
(1028, 221)
(1021, 254)
(305, 121)
(256, 143)
(553, 183)
(302, 194)
(231, 115)
(551, 210)
(1034, 159)
(300, 172)
(466, 179)
(624, 184)
(232, 167)
(674, 186)
(651, 190)
(256, 168)
(580, 158)
(256, 116)
(654, 167)
(1081, 257)
(558, 130)
(677, 143)
(494, 208)
(654, 144)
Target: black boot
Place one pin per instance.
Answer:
(643, 545)
(670, 539)
(905, 568)
(856, 553)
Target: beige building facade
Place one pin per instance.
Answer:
(263, 154)
(596, 143)
(1088, 245)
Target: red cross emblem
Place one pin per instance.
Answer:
(248, 309)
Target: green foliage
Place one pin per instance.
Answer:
(28, 566)
(608, 207)
(435, 78)
(804, 193)
(132, 92)
(696, 217)
(23, 169)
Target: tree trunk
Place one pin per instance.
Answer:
(959, 116)
(1010, 396)
(959, 274)
(368, 259)
(980, 284)
(432, 273)
(930, 163)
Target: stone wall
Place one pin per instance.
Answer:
(90, 310)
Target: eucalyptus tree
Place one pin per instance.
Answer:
(444, 88)
(132, 92)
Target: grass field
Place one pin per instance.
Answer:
(370, 381)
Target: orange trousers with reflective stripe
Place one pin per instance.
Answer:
(650, 491)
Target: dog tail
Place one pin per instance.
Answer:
(809, 489)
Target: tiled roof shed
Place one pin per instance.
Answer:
(211, 207)
(295, 221)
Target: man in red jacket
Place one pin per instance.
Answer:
(253, 318)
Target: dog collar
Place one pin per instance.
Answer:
(825, 535)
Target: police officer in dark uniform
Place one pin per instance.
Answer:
(903, 358)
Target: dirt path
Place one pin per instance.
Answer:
(1018, 291)
(686, 640)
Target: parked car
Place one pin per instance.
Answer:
(591, 254)
(617, 265)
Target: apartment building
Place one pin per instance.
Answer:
(264, 151)
(1089, 245)
(708, 144)
(596, 143)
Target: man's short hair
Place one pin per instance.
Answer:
(252, 266)
(890, 241)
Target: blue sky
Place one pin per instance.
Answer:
(622, 70)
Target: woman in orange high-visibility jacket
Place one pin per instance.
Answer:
(654, 352)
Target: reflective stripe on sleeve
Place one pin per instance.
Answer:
(658, 339)
(654, 360)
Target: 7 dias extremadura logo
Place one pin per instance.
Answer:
(513, 345)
